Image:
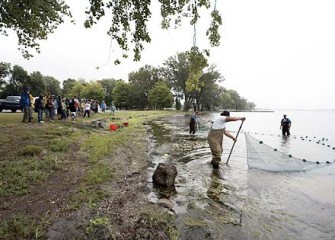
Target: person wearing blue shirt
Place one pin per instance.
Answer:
(25, 105)
(113, 108)
(103, 106)
(285, 126)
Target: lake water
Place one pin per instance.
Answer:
(241, 203)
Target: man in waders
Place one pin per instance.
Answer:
(193, 122)
(215, 136)
(285, 126)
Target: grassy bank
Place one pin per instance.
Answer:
(50, 171)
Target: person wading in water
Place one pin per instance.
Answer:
(215, 136)
(193, 122)
(285, 126)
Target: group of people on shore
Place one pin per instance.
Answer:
(218, 130)
(51, 107)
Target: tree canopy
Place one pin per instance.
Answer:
(34, 20)
(143, 81)
(160, 96)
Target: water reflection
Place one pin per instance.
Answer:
(285, 144)
(216, 188)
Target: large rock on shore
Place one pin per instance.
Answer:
(165, 175)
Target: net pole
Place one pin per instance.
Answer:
(231, 150)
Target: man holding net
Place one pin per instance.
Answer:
(215, 136)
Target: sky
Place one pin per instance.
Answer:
(277, 54)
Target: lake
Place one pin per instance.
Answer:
(237, 202)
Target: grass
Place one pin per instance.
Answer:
(32, 153)
(155, 219)
(20, 227)
(96, 223)
(98, 174)
(16, 176)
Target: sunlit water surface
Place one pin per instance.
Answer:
(235, 202)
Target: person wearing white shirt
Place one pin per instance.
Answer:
(215, 136)
(87, 109)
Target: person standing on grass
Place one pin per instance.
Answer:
(51, 108)
(215, 136)
(94, 106)
(63, 113)
(73, 109)
(25, 104)
(113, 108)
(103, 106)
(46, 109)
(39, 106)
(59, 107)
(31, 107)
(87, 109)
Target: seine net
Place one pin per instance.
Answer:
(264, 157)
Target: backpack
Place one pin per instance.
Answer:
(72, 106)
(36, 103)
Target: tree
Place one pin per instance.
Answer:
(143, 81)
(226, 101)
(52, 86)
(250, 106)
(123, 95)
(34, 20)
(197, 64)
(36, 83)
(5, 71)
(108, 86)
(78, 88)
(160, 96)
(184, 72)
(93, 90)
(209, 96)
(17, 81)
(235, 98)
(175, 71)
(67, 86)
(232, 100)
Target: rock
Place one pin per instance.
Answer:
(165, 175)
(164, 202)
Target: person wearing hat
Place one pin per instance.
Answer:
(25, 104)
(285, 126)
(215, 136)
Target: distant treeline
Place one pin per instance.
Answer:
(173, 85)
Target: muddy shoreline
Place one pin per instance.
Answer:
(126, 213)
(60, 207)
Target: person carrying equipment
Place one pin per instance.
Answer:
(215, 136)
